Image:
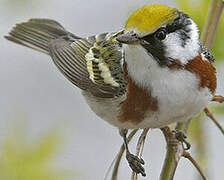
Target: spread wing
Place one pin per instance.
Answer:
(92, 64)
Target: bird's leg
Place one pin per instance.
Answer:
(134, 162)
(176, 136)
(180, 136)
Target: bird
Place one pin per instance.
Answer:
(152, 72)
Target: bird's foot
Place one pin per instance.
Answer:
(136, 163)
(180, 136)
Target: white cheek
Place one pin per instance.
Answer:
(174, 48)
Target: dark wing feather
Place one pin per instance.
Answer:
(69, 54)
(37, 33)
(206, 53)
(69, 57)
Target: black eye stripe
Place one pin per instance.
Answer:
(153, 42)
(148, 38)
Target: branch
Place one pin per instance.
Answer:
(210, 115)
(175, 150)
(173, 155)
(218, 98)
(140, 148)
(194, 162)
(119, 155)
(212, 20)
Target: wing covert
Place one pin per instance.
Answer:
(206, 53)
(71, 58)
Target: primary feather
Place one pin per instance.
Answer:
(69, 53)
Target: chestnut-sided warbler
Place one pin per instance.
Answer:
(153, 72)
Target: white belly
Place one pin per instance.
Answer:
(176, 102)
(105, 108)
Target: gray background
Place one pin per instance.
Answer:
(33, 91)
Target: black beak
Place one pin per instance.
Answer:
(127, 38)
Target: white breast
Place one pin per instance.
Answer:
(177, 91)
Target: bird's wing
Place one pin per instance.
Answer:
(206, 53)
(93, 64)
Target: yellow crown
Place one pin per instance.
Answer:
(149, 17)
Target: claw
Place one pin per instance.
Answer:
(136, 164)
(182, 138)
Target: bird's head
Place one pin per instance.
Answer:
(163, 32)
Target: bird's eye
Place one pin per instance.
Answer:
(161, 34)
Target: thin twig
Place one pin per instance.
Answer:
(210, 115)
(119, 155)
(194, 162)
(139, 149)
(141, 141)
(109, 169)
(174, 152)
(211, 24)
(218, 98)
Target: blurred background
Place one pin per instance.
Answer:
(47, 131)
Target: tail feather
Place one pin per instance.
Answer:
(37, 33)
